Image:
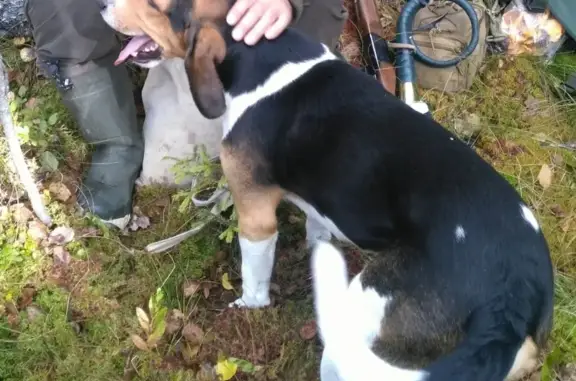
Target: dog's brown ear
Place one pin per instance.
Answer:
(206, 49)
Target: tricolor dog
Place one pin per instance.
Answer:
(462, 284)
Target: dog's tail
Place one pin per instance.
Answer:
(494, 350)
(495, 347)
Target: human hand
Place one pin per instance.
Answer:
(253, 19)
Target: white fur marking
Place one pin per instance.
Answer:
(257, 264)
(281, 78)
(318, 227)
(529, 217)
(460, 233)
(350, 319)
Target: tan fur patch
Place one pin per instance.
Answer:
(139, 15)
(525, 362)
(255, 204)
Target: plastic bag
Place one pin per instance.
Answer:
(538, 34)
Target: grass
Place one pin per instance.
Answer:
(76, 321)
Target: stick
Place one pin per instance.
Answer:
(16, 154)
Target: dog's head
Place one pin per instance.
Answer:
(189, 29)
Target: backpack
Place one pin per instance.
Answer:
(441, 30)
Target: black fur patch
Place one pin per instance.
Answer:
(389, 177)
(179, 14)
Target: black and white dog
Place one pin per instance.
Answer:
(462, 284)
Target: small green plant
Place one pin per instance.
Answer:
(208, 177)
(154, 325)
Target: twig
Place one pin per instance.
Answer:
(16, 153)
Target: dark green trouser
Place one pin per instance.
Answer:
(72, 35)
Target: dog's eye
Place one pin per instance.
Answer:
(179, 14)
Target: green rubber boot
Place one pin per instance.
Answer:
(77, 50)
(103, 105)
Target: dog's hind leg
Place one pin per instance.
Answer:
(256, 208)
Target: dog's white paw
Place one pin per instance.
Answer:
(250, 302)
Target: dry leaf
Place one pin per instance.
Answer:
(143, 319)
(545, 176)
(37, 230)
(192, 333)
(226, 282)
(174, 321)
(26, 297)
(139, 343)
(60, 191)
(61, 235)
(190, 287)
(189, 353)
(33, 313)
(206, 288)
(61, 256)
(308, 330)
(557, 211)
(21, 214)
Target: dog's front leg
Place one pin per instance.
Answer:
(256, 208)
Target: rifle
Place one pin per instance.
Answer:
(374, 47)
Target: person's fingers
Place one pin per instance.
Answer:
(237, 11)
(279, 26)
(248, 21)
(256, 33)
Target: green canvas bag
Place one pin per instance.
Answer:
(441, 31)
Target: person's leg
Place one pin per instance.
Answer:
(322, 20)
(77, 49)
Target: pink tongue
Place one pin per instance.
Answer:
(133, 46)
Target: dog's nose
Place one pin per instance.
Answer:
(102, 4)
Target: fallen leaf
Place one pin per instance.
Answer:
(244, 365)
(61, 256)
(89, 231)
(19, 41)
(61, 235)
(190, 287)
(557, 211)
(189, 353)
(139, 222)
(32, 103)
(21, 214)
(206, 373)
(174, 321)
(226, 369)
(566, 225)
(139, 343)
(60, 191)
(37, 230)
(220, 256)
(308, 330)
(143, 319)
(49, 161)
(545, 176)
(226, 282)
(206, 289)
(26, 297)
(156, 335)
(557, 159)
(468, 126)
(192, 333)
(33, 313)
